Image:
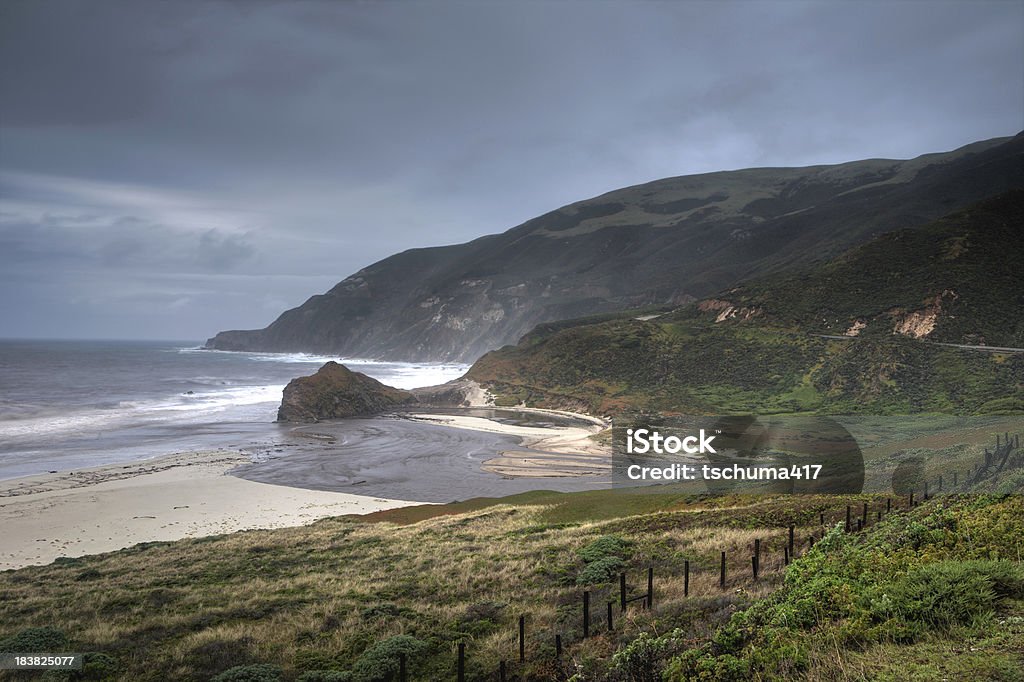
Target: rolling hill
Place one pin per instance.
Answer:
(873, 330)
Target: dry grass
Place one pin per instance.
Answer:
(317, 597)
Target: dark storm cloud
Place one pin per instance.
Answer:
(219, 161)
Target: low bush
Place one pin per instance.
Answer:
(36, 640)
(602, 570)
(604, 547)
(380, 662)
(944, 594)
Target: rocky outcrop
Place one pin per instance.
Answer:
(658, 244)
(336, 391)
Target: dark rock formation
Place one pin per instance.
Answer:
(663, 243)
(336, 391)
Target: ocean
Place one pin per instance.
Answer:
(74, 404)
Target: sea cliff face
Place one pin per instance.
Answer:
(334, 392)
(663, 243)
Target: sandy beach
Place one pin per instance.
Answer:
(554, 452)
(192, 494)
(103, 509)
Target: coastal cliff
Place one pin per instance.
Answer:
(336, 391)
(659, 244)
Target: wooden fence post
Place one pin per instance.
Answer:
(586, 615)
(686, 578)
(888, 505)
(501, 670)
(522, 638)
(821, 518)
(785, 557)
(558, 646)
(721, 576)
(864, 514)
(792, 543)
(753, 566)
(926, 491)
(847, 518)
(461, 669)
(954, 479)
(911, 500)
(402, 675)
(650, 587)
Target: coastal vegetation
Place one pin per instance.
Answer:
(933, 591)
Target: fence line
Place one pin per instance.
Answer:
(994, 462)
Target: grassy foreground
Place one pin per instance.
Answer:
(927, 594)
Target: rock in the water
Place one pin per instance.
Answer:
(336, 391)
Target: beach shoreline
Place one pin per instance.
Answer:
(546, 452)
(196, 494)
(185, 495)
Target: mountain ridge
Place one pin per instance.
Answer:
(664, 242)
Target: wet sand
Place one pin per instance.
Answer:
(441, 455)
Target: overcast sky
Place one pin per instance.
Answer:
(171, 169)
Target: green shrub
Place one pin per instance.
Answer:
(603, 559)
(944, 594)
(643, 659)
(380, 662)
(44, 639)
(1007, 577)
(698, 665)
(98, 666)
(260, 672)
(602, 570)
(604, 547)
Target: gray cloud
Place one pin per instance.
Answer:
(271, 148)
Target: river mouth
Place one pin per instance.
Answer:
(401, 457)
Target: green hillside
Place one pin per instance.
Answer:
(761, 347)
